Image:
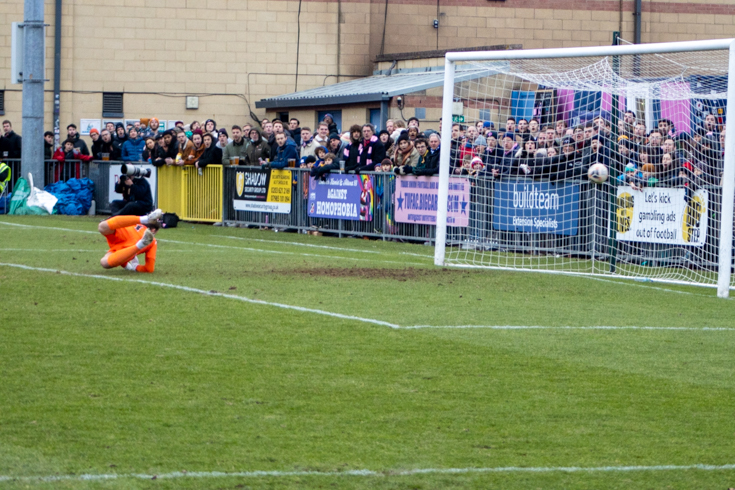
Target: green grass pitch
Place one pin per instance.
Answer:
(136, 380)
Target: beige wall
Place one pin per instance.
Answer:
(158, 52)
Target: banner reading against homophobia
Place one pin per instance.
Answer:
(662, 215)
(536, 207)
(342, 196)
(416, 200)
(264, 190)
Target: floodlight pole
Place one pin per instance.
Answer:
(33, 82)
(444, 162)
(728, 188)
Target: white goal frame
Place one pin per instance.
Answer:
(728, 184)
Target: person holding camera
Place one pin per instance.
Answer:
(136, 191)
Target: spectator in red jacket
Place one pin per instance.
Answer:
(67, 153)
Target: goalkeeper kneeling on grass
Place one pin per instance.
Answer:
(128, 237)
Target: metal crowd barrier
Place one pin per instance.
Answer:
(193, 197)
(381, 226)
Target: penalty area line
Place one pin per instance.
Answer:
(368, 473)
(353, 317)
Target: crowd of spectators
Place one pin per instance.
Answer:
(641, 158)
(522, 148)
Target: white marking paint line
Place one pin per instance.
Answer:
(369, 473)
(352, 317)
(212, 245)
(207, 293)
(540, 327)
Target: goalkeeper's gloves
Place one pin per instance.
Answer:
(132, 264)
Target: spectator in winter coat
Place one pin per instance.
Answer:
(336, 145)
(210, 126)
(151, 130)
(119, 138)
(212, 154)
(257, 150)
(105, 146)
(285, 151)
(132, 149)
(196, 150)
(295, 130)
(223, 139)
(71, 131)
(166, 151)
(308, 143)
(48, 145)
(68, 152)
(371, 151)
(149, 151)
(331, 125)
(94, 133)
(405, 155)
(237, 148)
(11, 143)
(388, 143)
(184, 148)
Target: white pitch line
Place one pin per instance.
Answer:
(368, 473)
(249, 249)
(352, 317)
(207, 293)
(541, 327)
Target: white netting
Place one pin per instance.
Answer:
(655, 122)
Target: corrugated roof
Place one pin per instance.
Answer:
(369, 89)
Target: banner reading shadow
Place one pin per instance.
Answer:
(536, 207)
(263, 190)
(341, 196)
(416, 200)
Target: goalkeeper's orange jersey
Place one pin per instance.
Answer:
(129, 236)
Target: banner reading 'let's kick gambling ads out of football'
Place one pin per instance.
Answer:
(662, 215)
(264, 190)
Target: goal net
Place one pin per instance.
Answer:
(603, 161)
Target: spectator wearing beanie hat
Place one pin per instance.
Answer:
(94, 133)
(405, 154)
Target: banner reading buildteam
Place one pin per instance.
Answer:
(263, 190)
(662, 215)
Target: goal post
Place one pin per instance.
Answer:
(662, 211)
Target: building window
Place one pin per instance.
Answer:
(485, 115)
(420, 113)
(283, 116)
(2, 102)
(112, 104)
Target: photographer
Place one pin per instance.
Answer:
(137, 199)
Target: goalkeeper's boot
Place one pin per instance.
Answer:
(155, 215)
(147, 239)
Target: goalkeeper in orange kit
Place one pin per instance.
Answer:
(128, 237)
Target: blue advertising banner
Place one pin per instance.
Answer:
(536, 207)
(342, 196)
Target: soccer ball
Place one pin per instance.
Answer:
(597, 173)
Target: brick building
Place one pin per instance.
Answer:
(233, 53)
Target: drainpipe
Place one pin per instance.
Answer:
(57, 74)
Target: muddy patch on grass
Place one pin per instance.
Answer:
(404, 274)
